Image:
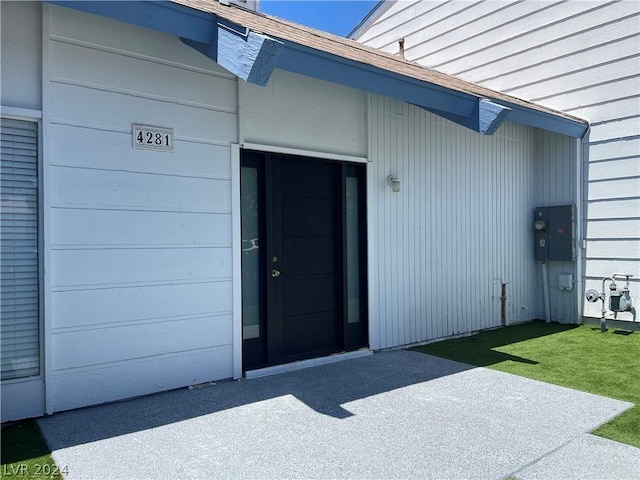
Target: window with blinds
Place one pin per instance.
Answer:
(19, 325)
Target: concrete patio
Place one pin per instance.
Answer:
(395, 414)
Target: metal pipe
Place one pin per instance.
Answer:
(545, 293)
(503, 305)
(401, 48)
(603, 297)
(581, 163)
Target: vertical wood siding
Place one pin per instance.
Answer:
(555, 184)
(460, 226)
(140, 267)
(579, 57)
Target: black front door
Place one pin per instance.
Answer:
(304, 288)
(302, 255)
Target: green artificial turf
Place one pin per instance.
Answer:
(25, 454)
(579, 357)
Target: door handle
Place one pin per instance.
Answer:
(275, 273)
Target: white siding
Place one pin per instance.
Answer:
(555, 181)
(579, 57)
(293, 111)
(140, 241)
(21, 54)
(21, 89)
(460, 226)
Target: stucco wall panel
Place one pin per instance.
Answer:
(293, 111)
(21, 53)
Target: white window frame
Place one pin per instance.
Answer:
(37, 381)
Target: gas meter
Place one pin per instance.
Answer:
(619, 298)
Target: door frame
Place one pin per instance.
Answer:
(237, 236)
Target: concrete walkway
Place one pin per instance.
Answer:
(390, 415)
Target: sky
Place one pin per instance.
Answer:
(333, 16)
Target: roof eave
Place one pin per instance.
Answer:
(253, 55)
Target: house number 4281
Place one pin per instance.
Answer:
(152, 138)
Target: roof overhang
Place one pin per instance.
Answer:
(248, 55)
(252, 55)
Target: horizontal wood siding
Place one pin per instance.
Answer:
(140, 241)
(579, 57)
(460, 226)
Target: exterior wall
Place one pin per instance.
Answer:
(555, 183)
(20, 97)
(138, 244)
(298, 112)
(579, 57)
(412, 264)
(21, 73)
(441, 248)
(139, 284)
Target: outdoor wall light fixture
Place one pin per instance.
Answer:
(394, 183)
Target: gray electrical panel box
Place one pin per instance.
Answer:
(555, 233)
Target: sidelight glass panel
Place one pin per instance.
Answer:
(250, 253)
(353, 251)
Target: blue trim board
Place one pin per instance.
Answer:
(249, 56)
(253, 56)
(332, 68)
(486, 117)
(490, 116)
(546, 121)
(483, 115)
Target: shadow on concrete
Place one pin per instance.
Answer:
(323, 388)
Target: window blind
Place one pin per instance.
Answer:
(19, 324)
